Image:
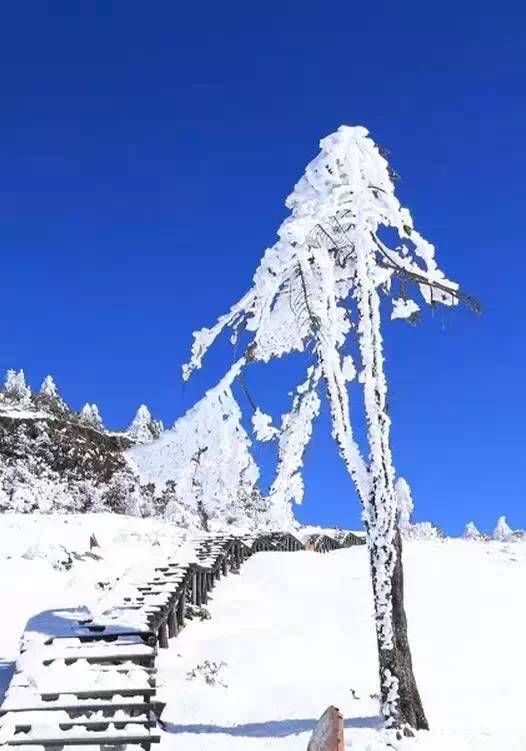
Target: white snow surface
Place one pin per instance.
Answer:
(33, 549)
(295, 634)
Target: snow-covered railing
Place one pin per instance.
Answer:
(89, 679)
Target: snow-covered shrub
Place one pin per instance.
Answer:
(209, 672)
(56, 555)
(125, 495)
(174, 509)
(424, 531)
(29, 488)
(198, 611)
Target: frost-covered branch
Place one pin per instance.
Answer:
(294, 435)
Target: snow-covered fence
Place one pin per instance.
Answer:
(323, 543)
(90, 679)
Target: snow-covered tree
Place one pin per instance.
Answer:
(502, 531)
(89, 415)
(48, 388)
(471, 532)
(144, 428)
(126, 496)
(49, 397)
(405, 503)
(318, 289)
(16, 391)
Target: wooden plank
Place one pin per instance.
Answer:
(84, 705)
(163, 636)
(84, 740)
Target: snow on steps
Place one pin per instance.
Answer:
(88, 679)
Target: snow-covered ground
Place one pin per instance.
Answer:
(295, 634)
(33, 558)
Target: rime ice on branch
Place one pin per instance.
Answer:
(319, 288)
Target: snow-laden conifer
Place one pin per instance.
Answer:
(49, 397)
(502, 531)
(471, 532)
(405, 503)
(318, 289)
(48, 387)
(89, 415)
(144, 428)
(16, 391)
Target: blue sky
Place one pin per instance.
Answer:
(145, 154)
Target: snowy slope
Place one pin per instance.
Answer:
(295, 633)
(35, 550)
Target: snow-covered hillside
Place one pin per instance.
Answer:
(295, 634)
(197, 475)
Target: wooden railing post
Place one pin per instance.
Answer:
(180, 608)
(163, 636)
(195, 593)
(172, 623)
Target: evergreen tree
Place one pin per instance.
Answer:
(144, 428)
(16, 391)
(471, 532)
(405, 503)
(89, 415)
(49, 398)
(502, 531)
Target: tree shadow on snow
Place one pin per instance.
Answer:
(7, 668)
(270, 729)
